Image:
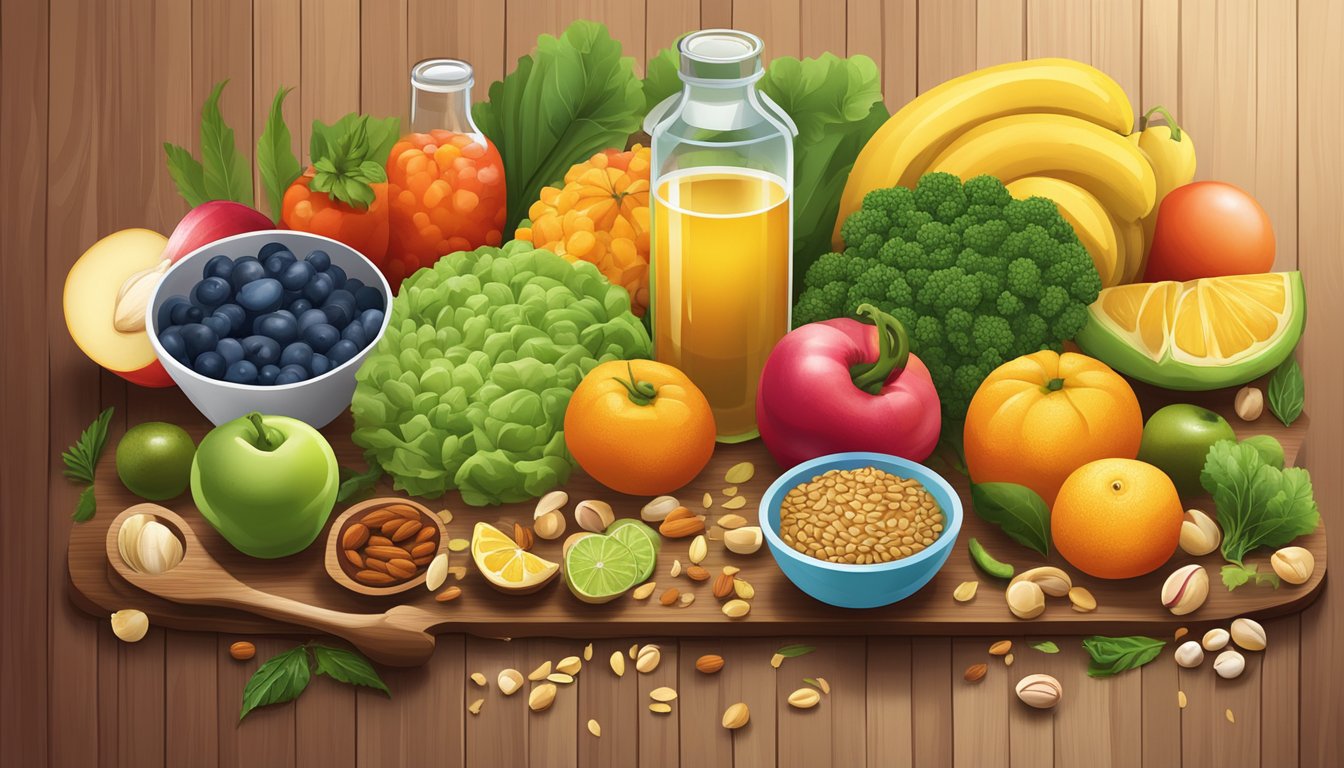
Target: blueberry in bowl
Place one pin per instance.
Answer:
(272, 321)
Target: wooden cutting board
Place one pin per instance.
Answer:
(779, 608)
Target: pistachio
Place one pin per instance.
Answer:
(736, 716)
(1249, 403)
(1025, 599)
(1294, 565)
(657, 510)
(699, 549)
(1189, 654)
(743, 541)
(555, 500)
(1248, 634)
(618, 663)
(805, 698)
(736, 609)
(550, 525)
(663, 694)
(130, 625)
(1039, 691)
(732, 521)
(1229, 664)
(542, 697)
(593, 515)
(1215, 639)
(1200, 535)
(647, 659)
(1052, 581)
(1186, 589)
(509, 681)
(743, 589)
(1082, 600)
(965, 591)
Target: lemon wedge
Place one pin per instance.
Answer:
(506, 565)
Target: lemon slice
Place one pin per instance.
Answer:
(1202, 334)
(506, 565)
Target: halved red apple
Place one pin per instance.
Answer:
(104, 327)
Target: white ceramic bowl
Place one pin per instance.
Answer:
(317, 400)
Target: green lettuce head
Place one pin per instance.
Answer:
(468, 387)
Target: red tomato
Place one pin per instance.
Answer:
(1209, 229)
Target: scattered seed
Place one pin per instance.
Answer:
(478, 679)
(731, 570)
(737, 502)
(451, 593)
(739, 473)
(736, 609)
(618, 663)
(634, 651)
(1082, 600)
(542, 697)
(458, 572)
(1180, 699)
(642, 592)
(699, 549)
(475, 706)
(730, 490)
(1182, 632)
(1000, 648)
(715, 533)
(588, 651)
(743, 589)
(660, 708)
(663, 694)
(736, 716)
(540, 672)
(1228, 714)
(976, 672)
(458, 545)
(446, 516)
(570, 665)
(670, 596)
(776, 660)
(509, 681)
(824, 686)
(1008, 660)
(594, 728)
(708, 501)
(965, 591)
(686, 599)
(560, 678)
(647, 659)
(732, 521)
(804, 698)
(676, 569)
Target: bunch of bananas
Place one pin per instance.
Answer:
(1053, 128)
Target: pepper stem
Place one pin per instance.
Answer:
(1054, 385)
(1171, 121)
(263, 440)
(640, 392)
(892, 355)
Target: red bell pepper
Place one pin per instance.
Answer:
(844, 385)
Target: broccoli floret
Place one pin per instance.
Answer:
(976, 277)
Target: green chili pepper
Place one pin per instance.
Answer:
(988, 564)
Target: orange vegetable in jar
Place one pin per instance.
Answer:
(445, 193)
(600, 215)
(639, 427)
(1039, 417)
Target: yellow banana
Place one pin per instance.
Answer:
(1100, 160)
(1096, 231)
(1171, 151)
(1131, 238)
(900, 151)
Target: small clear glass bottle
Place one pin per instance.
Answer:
(722, 233)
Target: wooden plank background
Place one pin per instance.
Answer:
(90, 88)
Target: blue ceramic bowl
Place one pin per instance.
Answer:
(861, 586)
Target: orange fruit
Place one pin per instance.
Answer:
(1039, 417)
(1116, 518)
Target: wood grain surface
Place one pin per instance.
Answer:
(90, 88)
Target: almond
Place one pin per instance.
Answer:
(670, 596)
(404, 511)
(376, 517)
(1001, 648)
(709, 663)
(242, 650)
(424, 549)
(427, 533)
(736, 716)
(680, 523)
(805, 698)
(402, 569)
(643, 591)
(540, 672)
(437, 573)
(663, 694)
(355, 558)
(355, 536)
(696, 573)
(723, 586)
(523, 537)
(976, 672)
(736, 609)
(386, 553)
(379, 541)
(451, 593)
(699, 549)
(374, 578)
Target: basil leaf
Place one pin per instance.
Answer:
(793, 651)
(85, 507)
(1286, 391)
(276, 162)
(280, 679)
(1017, 509)
(356, 484)
(227, 176)
(347, 667)
(1046, 646)
(187, 174)
(1113, 655)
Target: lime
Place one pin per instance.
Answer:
(1177, 438)
(643, 542)
(154, 460)
(599, 569)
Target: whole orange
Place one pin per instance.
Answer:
(639, 427)
(1117, 518)
(1039, 417)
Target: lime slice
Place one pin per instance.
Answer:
(599, 569)
(643, 542)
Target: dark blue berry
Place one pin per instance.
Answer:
(241, 372)
(337, 276)
(198, 338)
(277, 262)
(372, 320)
(236, 315)
(318, 288)
(219, 324)
(354, 333)
(266, 250)
(299, 306)
(319, 259)
(165, 314)
(291, 374)
(211, 365)
(182, 312)
(298, 353)
(218, 266)
(321, 336)
(320, 365)
(342, 352)
(310, 318)
(261, 350)
(262, 295)
(171, 340)
(367, 298)
(246, 270)
(267, 375)
(230, 349)
(296, 275)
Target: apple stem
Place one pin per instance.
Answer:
(263, 440)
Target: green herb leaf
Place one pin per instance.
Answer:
(661, 80)
(1017, 509)
(81, 459)
(1286, 391)
(280, 679)
(1235, 575)
(355, 485)
(1258, 505)
(85, 507)
(1046, 646)
(276, 162)
(1113, 655)
(227, 176)
(347, 667)
(187, 174)
(573, 97)
(350, 155)
(812, 682)
(793, 651)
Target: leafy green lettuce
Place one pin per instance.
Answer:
(572, 98)
(468, 387)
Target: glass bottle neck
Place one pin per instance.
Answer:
(446, 110)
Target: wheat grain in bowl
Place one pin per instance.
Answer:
(860, 517)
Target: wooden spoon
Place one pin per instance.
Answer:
(398, 637)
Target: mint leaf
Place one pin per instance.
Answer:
(1286, 391)
(347, 667)
(1113, 655)
(357, 484)
(276, 162)
(1017, 509)
(227, 176)
(280, 679)
(793, 651)
(187, 174)
(1046, 646)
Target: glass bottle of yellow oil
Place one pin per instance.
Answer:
(722, 239)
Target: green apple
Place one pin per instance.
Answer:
(266, 483)
(154, 460)
(1177, 438)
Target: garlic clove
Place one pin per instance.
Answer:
(128, 540)
(130, 625)
(158, 548)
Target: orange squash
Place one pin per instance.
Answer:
(600, 215)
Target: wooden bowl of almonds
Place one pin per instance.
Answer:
(384, 546)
